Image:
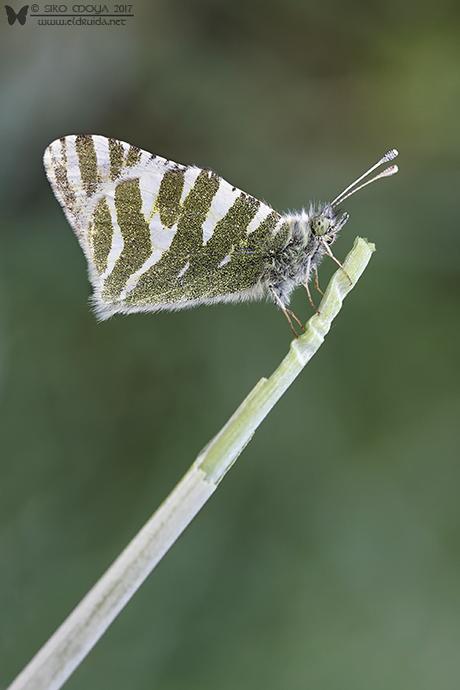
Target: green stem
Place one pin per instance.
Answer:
(69, 645)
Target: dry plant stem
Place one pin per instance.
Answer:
(69, 645)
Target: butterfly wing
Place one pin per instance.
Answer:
(10, 14)
(157, 234)
(22, 14)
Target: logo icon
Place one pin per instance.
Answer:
(21, 15)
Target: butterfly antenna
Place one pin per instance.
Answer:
(389, 156)
(392, 170)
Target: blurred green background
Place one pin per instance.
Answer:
(330, 556)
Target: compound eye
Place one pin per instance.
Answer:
(320, 225)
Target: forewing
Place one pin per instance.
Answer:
(157, 234)
(11, 14)
(22, 15)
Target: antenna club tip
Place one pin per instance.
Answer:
(390, 155)
(392, 170)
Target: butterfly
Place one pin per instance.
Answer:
(158, 235)
(21, 15)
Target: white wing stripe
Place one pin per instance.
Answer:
(101, 146)
(160, 236)
(222, 202)
(134, 278)
(149, 186)
(117, 238)
(190, 177)
(73, 165)
(262, 213)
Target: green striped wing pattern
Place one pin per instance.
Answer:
(157, 234)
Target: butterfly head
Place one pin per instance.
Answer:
(326, 222)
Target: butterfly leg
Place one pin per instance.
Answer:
(316, 278)
(307, 286)
(294, 316)
(288, 313)
(310, 298)
(334, 258)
